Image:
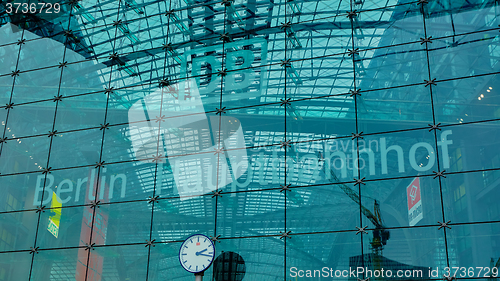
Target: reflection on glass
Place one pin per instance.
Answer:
(298, 135)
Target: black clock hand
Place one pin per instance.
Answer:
(205, 255)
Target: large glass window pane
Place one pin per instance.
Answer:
(18, 231)
(177, 218)
(322, 255)
(263, 257)
(84, 145)
(15, 265)
(394, 109)
(459, 18)
(401, 202)
(6, 83)
(21, 118)
(114, 261)
(473, 54)
(410, 253)
(397, 154)
(58, 264)
(240, 214)
(470, 197)
(467, 100)
(321, 208)
(134, 229)
(471, 147)
(24, 155)
(63, 227)
(474, 245)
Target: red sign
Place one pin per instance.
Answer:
(413, 193)
(415, 212)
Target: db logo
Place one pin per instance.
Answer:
(413, 193)
(203, 153)
(244, 62)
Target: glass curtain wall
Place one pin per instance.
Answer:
(310, 139)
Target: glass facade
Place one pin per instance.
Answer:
(306, 138)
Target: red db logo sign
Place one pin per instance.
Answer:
(415, 212)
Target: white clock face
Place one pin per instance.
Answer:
(197, 253)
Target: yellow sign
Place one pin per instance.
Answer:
(55, 218)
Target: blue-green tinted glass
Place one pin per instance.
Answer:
(309, 140)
